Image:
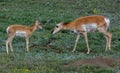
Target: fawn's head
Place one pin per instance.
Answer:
(38, 24)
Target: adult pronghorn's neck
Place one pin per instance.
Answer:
(69, 26)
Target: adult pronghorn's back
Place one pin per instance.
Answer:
(87, 24)
(91, 22)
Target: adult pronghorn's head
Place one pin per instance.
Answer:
(57, 28)
(38, 24)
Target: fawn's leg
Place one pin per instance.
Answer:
(27, 44)
(11, 48)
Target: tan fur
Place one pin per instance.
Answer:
(77, 24)
(12, 29)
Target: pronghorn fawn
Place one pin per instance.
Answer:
(22, 31)
(86, 24)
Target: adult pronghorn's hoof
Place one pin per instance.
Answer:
(73, 50)
(88, 51)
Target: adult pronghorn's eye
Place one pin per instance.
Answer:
(56, 26)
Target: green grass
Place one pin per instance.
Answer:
(50, 59)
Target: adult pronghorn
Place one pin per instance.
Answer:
(87, 24)
(22, 31)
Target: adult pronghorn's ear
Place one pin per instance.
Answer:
(62, 23)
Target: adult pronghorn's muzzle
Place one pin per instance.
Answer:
(52, 31)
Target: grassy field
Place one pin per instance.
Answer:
(48, 53)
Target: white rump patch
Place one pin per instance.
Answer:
(21, 33)
(90, 27)
(107, 21)
(7, 29)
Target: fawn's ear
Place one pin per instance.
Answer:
(37, 22)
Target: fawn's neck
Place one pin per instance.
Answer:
(34, 27)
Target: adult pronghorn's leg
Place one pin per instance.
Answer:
(76, 41)
(27, 44)
(106, 43)
(86, 40)
(108, 37)
(7, 42)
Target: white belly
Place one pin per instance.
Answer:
(75, 31)
(90, 27)
(21, 33)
